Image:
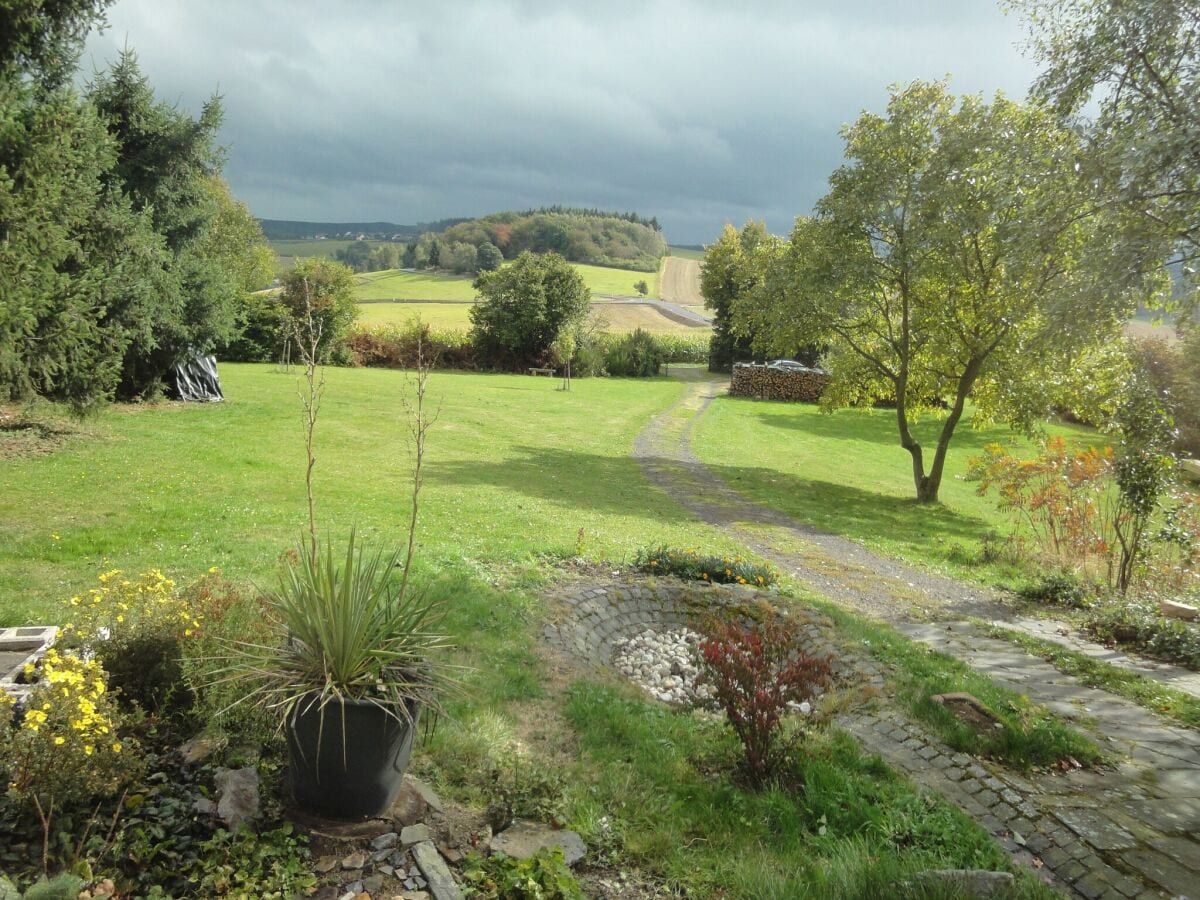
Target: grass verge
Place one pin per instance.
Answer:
(1176, 705)
(1031, 736)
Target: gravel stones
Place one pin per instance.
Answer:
(663, 663)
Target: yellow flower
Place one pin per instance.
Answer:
(88, 748)
(116, 747)
(120, 618)
(213, 570)
(60, 740)
(54, 536)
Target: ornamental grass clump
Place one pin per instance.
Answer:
(691, 565)
(345, 631)
(758, 672)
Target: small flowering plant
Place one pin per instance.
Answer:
(136, 628)
(64, 750)
(758, 671)
(690, 564)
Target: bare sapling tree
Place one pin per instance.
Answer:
(419, 423)
(307, 331)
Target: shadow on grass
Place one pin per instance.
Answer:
(615, 486)
(879, 427)
(852, 511)
(577, 479)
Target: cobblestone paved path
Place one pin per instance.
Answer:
(1123, 832)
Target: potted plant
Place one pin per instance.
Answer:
(352, 670)
(352, 664)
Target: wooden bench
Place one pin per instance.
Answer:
(534, 370)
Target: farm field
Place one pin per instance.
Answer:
(289, 251)
(679, 281)
(394, 284)
(614, 317)
(685, 253)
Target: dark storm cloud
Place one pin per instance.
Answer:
(697, 112)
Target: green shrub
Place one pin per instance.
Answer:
(137, 630)
(689, 564)
(395, 347)
(637, 355)
(1058, 589)
(1140, 624)
(544, 876)
(67, 751)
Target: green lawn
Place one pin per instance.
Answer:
(515, 468)
(848, 474)
(393, 284)
(517, 472)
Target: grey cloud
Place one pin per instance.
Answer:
(696, 112)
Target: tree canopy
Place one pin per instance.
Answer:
(525, 307)
(957, 254)
(122, 249)
(1138, 63)
(730, 271)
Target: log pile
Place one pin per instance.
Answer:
(773, 382)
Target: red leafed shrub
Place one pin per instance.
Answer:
(756, 671)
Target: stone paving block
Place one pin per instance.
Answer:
(1163, 871)
(1183, 851)
(1178, 816)
(1096, 829)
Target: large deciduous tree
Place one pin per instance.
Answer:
(524, 307)
(1136, 63)
(729, 272)
(956, 255)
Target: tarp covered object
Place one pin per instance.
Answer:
(196, 379)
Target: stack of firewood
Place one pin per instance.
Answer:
(771, 382)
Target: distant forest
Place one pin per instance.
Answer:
(288, 230)
(622, 240)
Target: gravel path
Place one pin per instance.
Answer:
(1105, 834)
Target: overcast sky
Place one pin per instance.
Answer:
(697, 112)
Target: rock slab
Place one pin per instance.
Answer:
(978, 884)
(237, 795)
(441, 883)
(524, 839)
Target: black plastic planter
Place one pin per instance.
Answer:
(351, 778)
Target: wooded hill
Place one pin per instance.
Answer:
(624, 240)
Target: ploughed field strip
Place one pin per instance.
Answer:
(1123, 832)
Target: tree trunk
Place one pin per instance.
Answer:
(928, 486)
(907, 441)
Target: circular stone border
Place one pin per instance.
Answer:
(590, 617)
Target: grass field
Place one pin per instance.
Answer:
(516, 467)
(394, 284)
(685, 253)
(848, 474)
